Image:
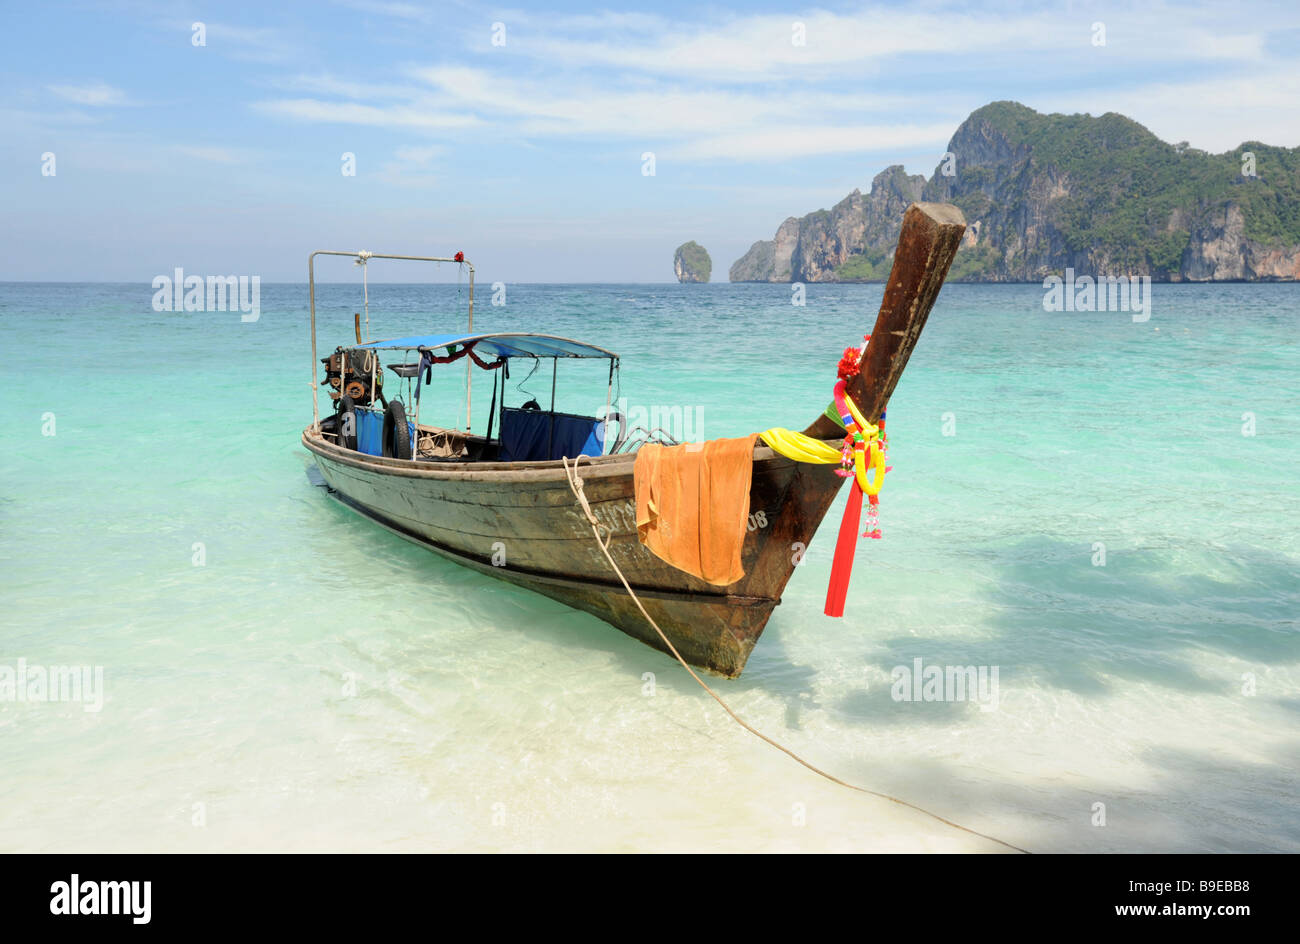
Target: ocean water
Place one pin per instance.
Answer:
(1104, 512)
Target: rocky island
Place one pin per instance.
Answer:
(1043, 193)
(691, 263)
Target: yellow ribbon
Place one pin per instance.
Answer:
(803, 448)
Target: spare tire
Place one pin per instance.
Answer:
(347, 423)
(397, 434)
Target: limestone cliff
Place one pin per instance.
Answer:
(691, 263)
(814, 247)
(1043, 193)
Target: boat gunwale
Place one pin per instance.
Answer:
(495, 471)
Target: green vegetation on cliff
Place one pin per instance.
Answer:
(1111, 189)
(691, 263)
(1042, 193)
(870, 266)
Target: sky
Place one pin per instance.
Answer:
(212, 136)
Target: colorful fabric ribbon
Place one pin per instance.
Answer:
(863, 452)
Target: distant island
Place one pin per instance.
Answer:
(1043, 193)
(691, 263)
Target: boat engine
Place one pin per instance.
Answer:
(354, 374)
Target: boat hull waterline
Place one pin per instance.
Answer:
(520, 522)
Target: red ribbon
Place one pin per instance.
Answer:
(845, 546)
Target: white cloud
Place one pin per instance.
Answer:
(95, 94)
(326, 84)
(705, 123)
(246, 43)
(763, 48)
(402, 11)
(738, 48)
(807, 141)
(1215, 115)
(215, 155)
(711, 123)
(413, 164)
(876, 80)
(256, 44)
(389, 116)
(420, 156)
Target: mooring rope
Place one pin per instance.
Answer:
(576, 484)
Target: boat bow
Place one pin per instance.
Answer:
(927, 243)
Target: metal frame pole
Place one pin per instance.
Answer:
(609, 396)
(311, 291)
(469, 368)
(365, 254)
(550, 442)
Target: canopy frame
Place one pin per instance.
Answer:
(499, 339)
(363, 256)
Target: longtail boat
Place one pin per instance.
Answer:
(501, 502)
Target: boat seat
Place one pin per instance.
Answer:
(405, 370)
(540, 435)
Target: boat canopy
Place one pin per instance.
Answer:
(497, 345)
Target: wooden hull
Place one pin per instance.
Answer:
(523, 515)
(470, 512)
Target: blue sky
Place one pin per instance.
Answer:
(527, 154)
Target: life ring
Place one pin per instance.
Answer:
(347, 423)
(397, 445)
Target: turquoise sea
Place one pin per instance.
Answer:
(1106, 512)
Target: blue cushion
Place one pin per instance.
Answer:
(538, 435)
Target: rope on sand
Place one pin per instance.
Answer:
(576, 484)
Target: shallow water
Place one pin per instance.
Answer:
(320, 684)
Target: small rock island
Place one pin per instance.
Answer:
(691, 262)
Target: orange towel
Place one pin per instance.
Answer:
(692, 505)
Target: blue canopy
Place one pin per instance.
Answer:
(497, 345)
